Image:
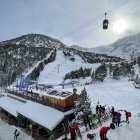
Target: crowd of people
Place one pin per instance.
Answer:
(73, 126)
(116, 120)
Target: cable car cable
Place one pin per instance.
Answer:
(93, 20)
(97, 27)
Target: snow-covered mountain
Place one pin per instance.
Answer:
(35, 40)
(127, 47)
(32, 51)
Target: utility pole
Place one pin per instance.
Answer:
(58, 67)
(1, 80)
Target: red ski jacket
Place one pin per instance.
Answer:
(73, 128)
(104, 130)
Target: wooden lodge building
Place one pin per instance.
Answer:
(36, 108)
(58, 99)
(64, 100)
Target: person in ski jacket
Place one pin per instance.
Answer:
(112, 110)
(114, 117)
(52, 136)
(118, 119)
(85, 122)
(103, 132)
(79, 133)
(127, 115)
(97, 109)
(73, 131)
(16, 134)
(88, 121)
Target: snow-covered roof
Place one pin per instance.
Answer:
(10, 105)
(43, 115)
(55, 93)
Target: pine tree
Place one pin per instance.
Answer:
(83, 106)
(93, 76)
(116, 72)
(138, 61)
(85, 102)
(101, 72)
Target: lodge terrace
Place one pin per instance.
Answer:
(34, 116)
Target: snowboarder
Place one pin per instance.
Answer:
(103, 132)
(16, 134)
(118, 119)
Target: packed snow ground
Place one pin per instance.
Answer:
(123, 96)
(6, 132)
(118, 93)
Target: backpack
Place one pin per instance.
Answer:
(112, 126)
(129, 114)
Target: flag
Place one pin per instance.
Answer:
(21, 82)
(28, 80)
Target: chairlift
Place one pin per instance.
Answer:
(105, 23)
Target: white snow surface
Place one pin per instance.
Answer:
(43, 115)
(123, 96)
(10, 105)
(126, 47)
(6, 132)
(50, 74)
(118, 93)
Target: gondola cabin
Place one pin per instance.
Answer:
(105, 23)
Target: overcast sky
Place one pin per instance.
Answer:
(56, 18)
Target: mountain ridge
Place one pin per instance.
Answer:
(127, 47)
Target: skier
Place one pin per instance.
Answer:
(85, 122)
(114, 117)
(103, 132)
(118, 119)
(88, 121)
(97, 109)
(65, 131)
(127, 115)
(100, 109)
(112, 111)
(52, 136)
(73, 131)
(79, 132)
(103, 109)
(93, 120)
(16, 134)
